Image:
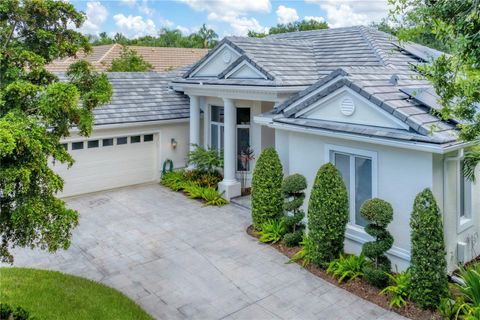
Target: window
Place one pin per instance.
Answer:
(77, 145)
(358, 173)
(465, 195)
(107, 142)
(92, 144)
(216, 127)
(243, 137)
(122, 140)
(148, 137)
(134, 139)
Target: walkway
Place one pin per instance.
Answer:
(180, 260)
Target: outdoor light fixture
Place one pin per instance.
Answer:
(173, 143)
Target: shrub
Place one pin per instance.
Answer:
(347, 267)
(470, 291)
(428, 263)
(212, 197)
(450, 309)
(204, 178)
(327, 215)
(293, 187)
(305, 253)
(13, 313)
(272, 231)
(192, 190)
(174, 180)
(399, 289)
(267, 197)
(205, 159)
(380, 214)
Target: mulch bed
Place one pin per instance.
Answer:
(358, 286)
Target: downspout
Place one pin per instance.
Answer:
(459, 156)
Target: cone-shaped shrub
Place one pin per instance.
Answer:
(327, 215)
(428, 263)
(379, 213)
(293, 190)
(267, 198)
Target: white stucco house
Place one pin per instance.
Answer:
(349, 96)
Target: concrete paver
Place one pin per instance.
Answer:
(181, 260)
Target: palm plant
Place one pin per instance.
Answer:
(305, 253)
(347, 267)
(470, 291)
(399, 289)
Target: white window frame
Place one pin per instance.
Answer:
(464, 219)
(354, 231)
(218, 124)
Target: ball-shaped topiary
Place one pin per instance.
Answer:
(327, 215)
(293, 190)
(380, 213)
(428, 265)
(267, 197)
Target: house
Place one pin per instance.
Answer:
(144, 124)
(161, 58)
(349, 96)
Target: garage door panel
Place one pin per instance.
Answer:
(108, 167)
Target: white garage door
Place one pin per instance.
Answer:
(109, 163)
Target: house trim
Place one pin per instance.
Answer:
(213, 55)
(242, 64)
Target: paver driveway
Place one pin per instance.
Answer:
(180, 260)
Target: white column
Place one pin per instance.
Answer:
(194, 121)
(230, 186)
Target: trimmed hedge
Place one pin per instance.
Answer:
(380, 213)
(267, 197)
(8, 312)
(293, 187)
(428, 264)
(327, 215)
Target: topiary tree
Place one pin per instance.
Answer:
(380, 214)
(267, 199)
(293, 187)
(327, 215)
(428, 264)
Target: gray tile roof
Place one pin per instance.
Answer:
(374, 83)
(302, 58)
(142, 97)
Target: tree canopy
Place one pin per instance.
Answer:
(203, 38)
(36, 111)
(456, 77)
(303, 25)
(129, 61)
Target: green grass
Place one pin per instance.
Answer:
(54, 295)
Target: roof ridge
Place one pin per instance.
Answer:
(373, 45)
(107, 52)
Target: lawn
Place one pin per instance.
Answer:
(54, 295)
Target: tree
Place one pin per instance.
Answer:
(293, 191)
(36, 111)
(208, 36)
(267, 198)
(120, 39)
(456, 77)
(303, 25)
(327, 215)
(102, 39)
(380, 213)
(428, 264)
(129, 61)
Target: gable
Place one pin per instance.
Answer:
(347, 106)
(223, 56)
(245, 71)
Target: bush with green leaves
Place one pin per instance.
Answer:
(428, 264)
(174, 180)
(8, 312)
(348, 267)
(379, 213)
(272, 231)
(305, 253)
(328, 212)
(212, 197)
(451, 309)
(267, 198)
(470, 291)
(293, 191)
(205, 159)
(398, 290)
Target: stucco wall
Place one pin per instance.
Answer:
(402, 174)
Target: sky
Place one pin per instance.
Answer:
(136, 18)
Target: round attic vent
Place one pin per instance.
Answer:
(347, 107)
